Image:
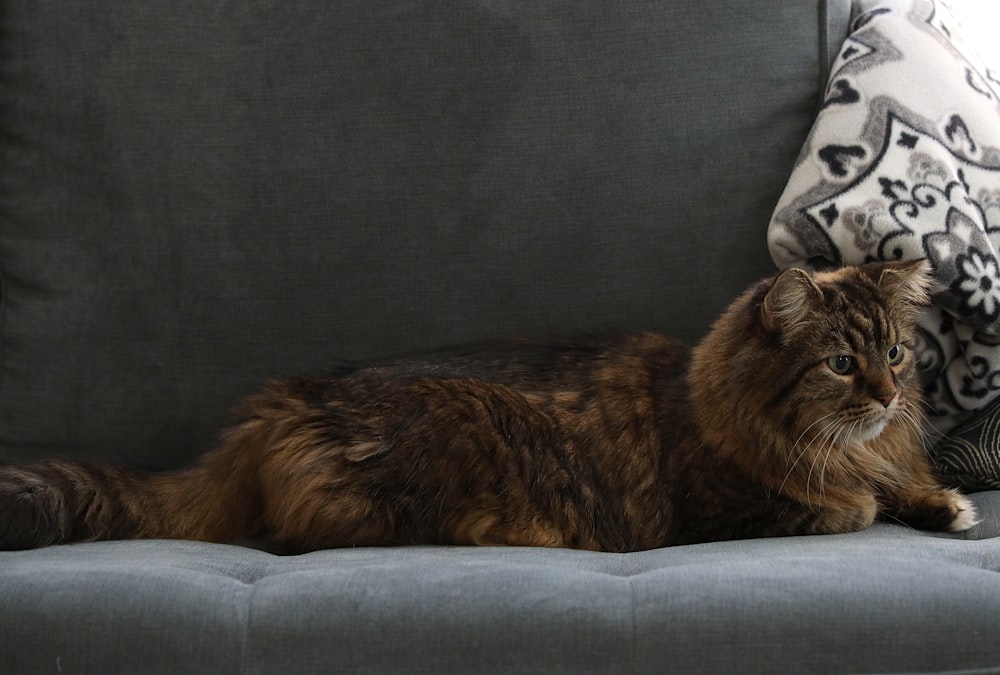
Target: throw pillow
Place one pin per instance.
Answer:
(903, 162)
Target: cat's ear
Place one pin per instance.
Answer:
(908, 282)
(792, 296)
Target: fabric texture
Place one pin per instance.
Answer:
(903, 162)
(196, 197)
(967, 457)
(808, 604)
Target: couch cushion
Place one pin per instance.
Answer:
(872, 601)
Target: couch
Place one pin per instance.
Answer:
(198, 196)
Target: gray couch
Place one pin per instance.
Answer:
(196, 196)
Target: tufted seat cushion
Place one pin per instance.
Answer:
(157, 606)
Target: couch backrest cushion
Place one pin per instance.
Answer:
(196, 196)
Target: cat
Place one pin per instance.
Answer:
(798, 413)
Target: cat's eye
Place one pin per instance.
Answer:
(895, 355)
(841, 364)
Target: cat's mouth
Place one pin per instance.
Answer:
(870, 424)
(870, 429)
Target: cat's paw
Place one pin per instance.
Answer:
(846, 517)
(965, 515)
(32, 513)
(941, 510)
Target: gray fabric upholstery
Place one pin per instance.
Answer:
(888, 599)
(199, 196)
(195, 196)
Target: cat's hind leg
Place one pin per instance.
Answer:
(33, 511)
(421, 461)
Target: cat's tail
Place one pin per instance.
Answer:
(58, 501)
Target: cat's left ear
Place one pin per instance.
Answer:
(908, 282)
(789, 301)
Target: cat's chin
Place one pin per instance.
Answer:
(870, 431)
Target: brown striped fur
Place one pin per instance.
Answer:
(612, 444)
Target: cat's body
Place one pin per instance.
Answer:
(798, 413)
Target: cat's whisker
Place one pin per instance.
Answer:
(895, 519)
(921, 425)
(842, 430)
(843, 433)
(812, 464)
(806, 448)
(806, 430)
(791, 468)
(910, 420)
(828, 440)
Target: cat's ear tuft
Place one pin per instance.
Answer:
(908, 282)
(792, 296)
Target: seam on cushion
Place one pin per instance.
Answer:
(3, 332)
(5, 106)
(828, 44)
(824, 49)
(824, 16)
(634, 635)
(247, 609)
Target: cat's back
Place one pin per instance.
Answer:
(617, 375)
(535, 365)
(560, 437)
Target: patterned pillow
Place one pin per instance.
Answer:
(903, 162)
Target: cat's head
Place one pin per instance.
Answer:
(825, 358)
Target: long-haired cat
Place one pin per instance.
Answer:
(798, 413)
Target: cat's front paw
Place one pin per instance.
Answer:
(964, 512)
(847, 517)
(32, 513)
(941, 510)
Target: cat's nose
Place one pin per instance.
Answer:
(885, 399)
(883, 390)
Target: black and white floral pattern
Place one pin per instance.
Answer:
(903, 162)
(978, 285)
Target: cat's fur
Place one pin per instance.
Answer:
(606, 444)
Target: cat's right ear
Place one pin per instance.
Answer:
(792, 296)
